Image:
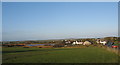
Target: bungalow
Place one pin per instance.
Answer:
(103, 42)
(76, 42)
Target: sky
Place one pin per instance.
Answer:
(0, 21)
(60, 0)
(58, 20)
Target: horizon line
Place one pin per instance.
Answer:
(55, 39)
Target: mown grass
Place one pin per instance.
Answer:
(58, 55)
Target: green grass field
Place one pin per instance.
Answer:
(58, 55)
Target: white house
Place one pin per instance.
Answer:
(103, 42)
(68, 42)
(86, 43)
(77, 43)
(98, 41)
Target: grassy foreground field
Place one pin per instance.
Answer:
(58, 55)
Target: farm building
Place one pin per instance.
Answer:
(84, 43)
(87, 43)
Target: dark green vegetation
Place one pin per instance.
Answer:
(58, 55)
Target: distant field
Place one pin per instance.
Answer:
(58, 55)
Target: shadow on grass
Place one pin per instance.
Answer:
(32, 50)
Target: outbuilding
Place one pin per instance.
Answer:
(87, 43)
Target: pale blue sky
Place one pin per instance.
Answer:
(0, 21)
(56, 20)
(60, 0)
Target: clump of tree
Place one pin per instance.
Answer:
(111, 39)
